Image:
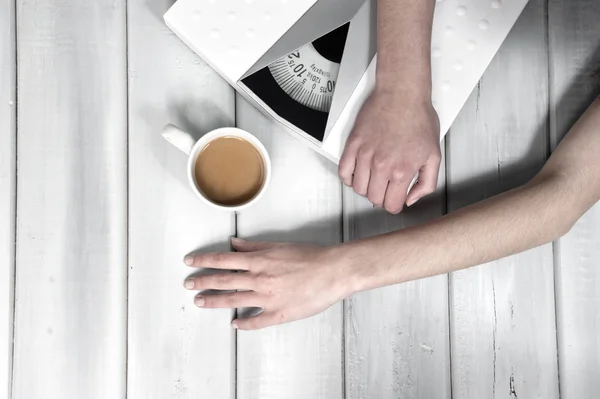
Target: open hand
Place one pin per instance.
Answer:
(289, 281)
(394, 138)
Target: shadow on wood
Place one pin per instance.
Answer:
(584, 88)
(159, 7)
(509, 176)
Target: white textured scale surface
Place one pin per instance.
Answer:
(231, 35)
(478, 29)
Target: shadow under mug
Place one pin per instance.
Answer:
(191, 147)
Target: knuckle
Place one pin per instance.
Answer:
(218, 258)
(205, 282)
(232, 301)
(366, 152)
(223, 279)
(255, 279)
(251, 263)
(270, 280)
(379, 165)
(254, 262)
(398, 174)
(269, 283)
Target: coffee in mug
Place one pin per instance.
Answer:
(228, 168)
(229, 171)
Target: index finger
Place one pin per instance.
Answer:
(219, 260)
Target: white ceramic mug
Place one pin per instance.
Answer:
(186, 143)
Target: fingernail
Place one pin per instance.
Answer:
(234, 325)
(199, 301)
(189, 284)
(237, 240)
(412, 202)
(188, 260)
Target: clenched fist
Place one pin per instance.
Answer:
(394, 138)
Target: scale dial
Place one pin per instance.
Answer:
(299, 87)
(307, 77)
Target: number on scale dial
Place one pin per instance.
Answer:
(307, 77)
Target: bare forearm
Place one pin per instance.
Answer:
(503, 225)
(404, 46)
(523, 218)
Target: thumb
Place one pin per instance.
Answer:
(242, 245)
(426, 183)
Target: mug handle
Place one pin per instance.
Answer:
(180, 139)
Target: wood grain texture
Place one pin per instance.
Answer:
(70, 329)
(575, 82)
(8, 148)
(502, 313)
(176, 350)
(303, 204)
(397, 337)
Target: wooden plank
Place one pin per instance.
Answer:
(575, 81)
(70, 330)
(397, 337)
(7, 189)
(303, 204)
(503, 342)
(176, 350)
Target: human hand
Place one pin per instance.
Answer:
(289, 281)
(394, 138)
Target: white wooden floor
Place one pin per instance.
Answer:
(95, 217)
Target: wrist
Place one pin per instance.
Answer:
(402, 89)
(355, 268)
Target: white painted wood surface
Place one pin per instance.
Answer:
(575, 79)
(70, 331)
(397, 342)
(7, 189)
(176, 350)
(303, 203)
(99, 202)
(502, 313)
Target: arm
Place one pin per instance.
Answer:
(404, 47)
(396, 134)
(291, 281)
(536, 213)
